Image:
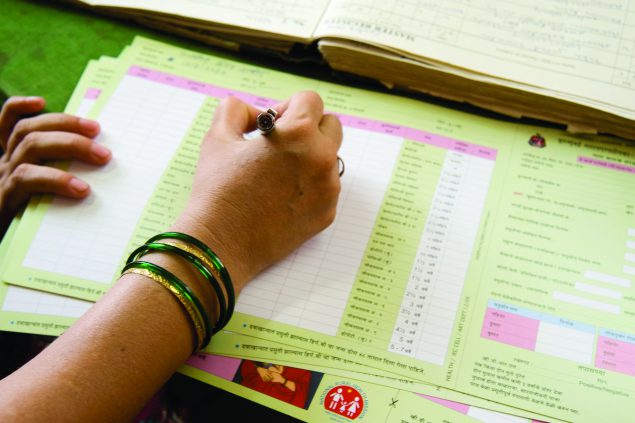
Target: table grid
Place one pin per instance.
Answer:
(431, 299)
(310, 288)
(140, 124)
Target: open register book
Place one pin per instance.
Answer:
(572, 63)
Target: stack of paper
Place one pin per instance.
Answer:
(476, 271)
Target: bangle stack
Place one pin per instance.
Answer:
(206, 262)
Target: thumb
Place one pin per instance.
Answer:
(233, 118)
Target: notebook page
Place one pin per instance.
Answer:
(292, 18)
(580, 48)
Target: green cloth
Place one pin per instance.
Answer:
(45, 46)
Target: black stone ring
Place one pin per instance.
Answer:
(266, 121)
(340, 165)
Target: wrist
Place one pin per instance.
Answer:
(221, 243)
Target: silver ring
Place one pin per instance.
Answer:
(266, 121)
(340, 165)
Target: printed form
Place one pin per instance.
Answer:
(466, 252)
(26, 310)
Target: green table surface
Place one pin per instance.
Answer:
(45, 46)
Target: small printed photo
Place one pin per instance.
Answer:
(289, 384)
(537, 141)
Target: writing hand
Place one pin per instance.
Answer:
(254, 201)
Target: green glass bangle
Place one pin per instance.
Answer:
(183, 289)
(158, 246)
(218, 264)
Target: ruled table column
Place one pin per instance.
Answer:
(433, 292)
(310, 287)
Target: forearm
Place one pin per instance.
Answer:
(252, 202)
(107, 365)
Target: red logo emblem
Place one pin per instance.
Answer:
(537, 141)
(345, 401)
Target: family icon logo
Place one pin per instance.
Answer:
(345, 401)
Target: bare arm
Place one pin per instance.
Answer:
(253, 202)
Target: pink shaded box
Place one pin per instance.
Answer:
(510, 329)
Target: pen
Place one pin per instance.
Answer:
(266, 122)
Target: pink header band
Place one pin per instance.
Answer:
(347, 120)
(92, 94)
(615, 355)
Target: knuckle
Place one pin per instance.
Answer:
(77, 143)
(324, 169)
(6, 106)
(60, 179)
(10, 103)
(310, 95)
(64, 120)
(324, 165)
(19, 174)
(330, 216)
(329, 191)
(30, 141)
(337, 190)
(22, 128)
(229, 102)
(302, 127)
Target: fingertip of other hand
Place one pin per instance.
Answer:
(35, 101)
(20, 105)
(78, 187)
(89, 127)
(100, 153)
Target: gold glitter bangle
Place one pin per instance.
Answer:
(205, 266)
(224, 314)
(217, 268)
(195, 252)
(185, 296)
